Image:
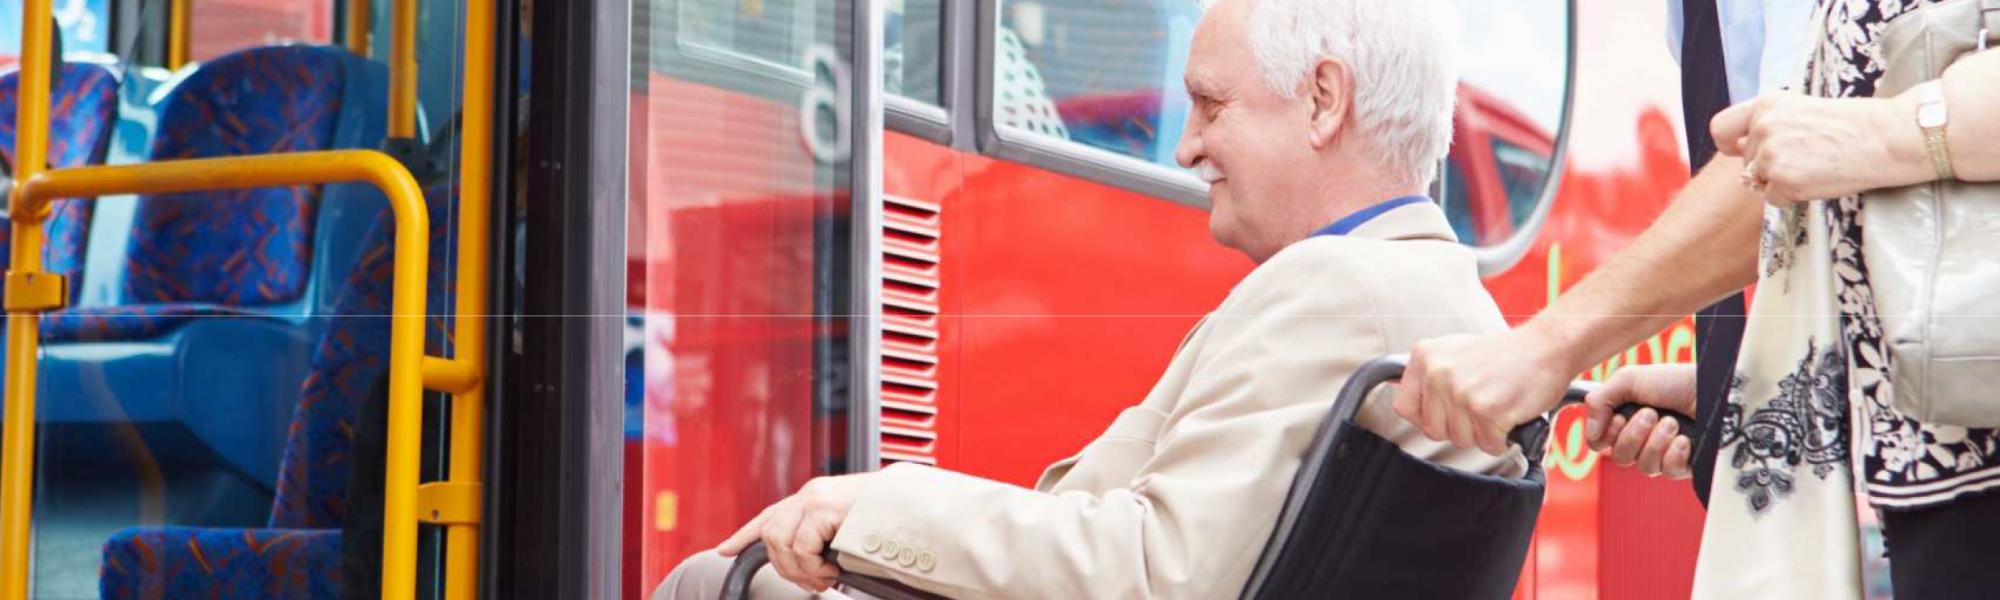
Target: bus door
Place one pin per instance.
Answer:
(250, 270)
(752, 159)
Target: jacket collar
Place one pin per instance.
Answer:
(1417, 221)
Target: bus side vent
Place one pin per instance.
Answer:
(909, 330)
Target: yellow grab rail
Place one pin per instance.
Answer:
(358, 26)
(180, 16)
(461, 566)
(402, 57)
(402, 69)
(453, 503)
(17, 449)
(30, 208)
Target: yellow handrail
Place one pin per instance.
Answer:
(17, 449)
(30, 208)
(180, 16)
(358, 26)
(461, 567)
(403, 69)
(31, 292)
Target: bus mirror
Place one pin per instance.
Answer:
(1516, 66)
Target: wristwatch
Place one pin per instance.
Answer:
(1931, 117)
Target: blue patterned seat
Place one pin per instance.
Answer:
(216, 252)
(113, 323)
(82, 106)
(209, 282)
(298, 554)
(186, 562)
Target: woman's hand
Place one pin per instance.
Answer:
(1654, 445)
(1800, 148)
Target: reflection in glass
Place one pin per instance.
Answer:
(737, 254)
(1522, 172)
(1514, 75)
(765, 29)
(218, 27)
(1102, 74)
(912, 66)
(83, 24)
(1457, 204)
(211, 408)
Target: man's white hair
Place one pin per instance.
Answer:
(1403, 62)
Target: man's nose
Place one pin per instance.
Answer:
(1189, 151)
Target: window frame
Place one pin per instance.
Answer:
(747, 75)
(554, 465)
(707, 64)
(1064, 156)
(943, 122)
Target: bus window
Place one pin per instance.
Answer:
(1102, 74)
(737, 250)
(767, 31)
(219, 27)
(1522, 172)
(1456, 201)
(82, 23)
(912, 65)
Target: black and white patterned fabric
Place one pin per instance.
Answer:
(1810, 425)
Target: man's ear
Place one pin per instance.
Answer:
(1330, 86)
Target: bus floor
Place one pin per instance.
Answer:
(95, 479)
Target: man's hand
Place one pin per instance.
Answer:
(1654, 445)
(1473, 390)
(797, 530)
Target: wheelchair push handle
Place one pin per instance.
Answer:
(1530, 436)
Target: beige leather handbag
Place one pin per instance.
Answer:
(1933, 250)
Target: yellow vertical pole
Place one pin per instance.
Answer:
(17, 451)
(403, 69)
(469, 343)
(359, 26)
(406, 408)
(399, 511)
(180, 17)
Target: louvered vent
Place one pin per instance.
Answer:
(909, 330)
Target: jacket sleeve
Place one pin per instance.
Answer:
(1194, 520)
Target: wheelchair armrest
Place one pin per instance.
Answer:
(736, 586)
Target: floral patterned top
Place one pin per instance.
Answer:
(1842, 362)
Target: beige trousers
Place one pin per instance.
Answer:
(700, 578)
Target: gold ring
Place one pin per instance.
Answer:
(1752, 180)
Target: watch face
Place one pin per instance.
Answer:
(1930, 115)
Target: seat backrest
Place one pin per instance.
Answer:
(349, 364)
(82, 107)
(1365, 519)
(237, 247)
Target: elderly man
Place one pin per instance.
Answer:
(1319, 124)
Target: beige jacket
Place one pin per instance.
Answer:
(1177, 498)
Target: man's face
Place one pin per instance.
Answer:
(1247, 141)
